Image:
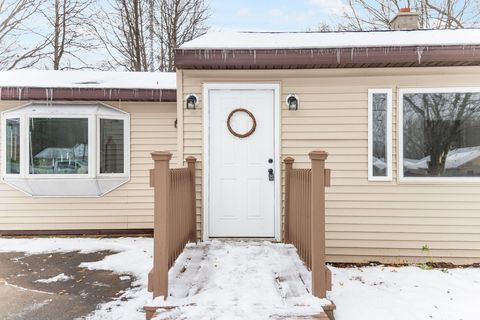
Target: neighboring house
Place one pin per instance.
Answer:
(397, 111)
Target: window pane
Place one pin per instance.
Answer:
(13, 146)
(379, 134)
(58, 146)
(111, 146)
(441, 135)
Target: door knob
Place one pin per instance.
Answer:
(271, 175)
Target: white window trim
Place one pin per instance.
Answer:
(427, 180)
(389, 142)
(126, 147)
(100, 184)
(91, 148)
(4, 147)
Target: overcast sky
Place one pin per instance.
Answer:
(271, 15)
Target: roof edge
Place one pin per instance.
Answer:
(88, 94)
(324, 58)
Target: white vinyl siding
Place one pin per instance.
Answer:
(386, 221)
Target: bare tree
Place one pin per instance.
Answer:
(141, 35)
(67, 33)
(433, 14)
(123, 30)
(180, 21)
(14, 53)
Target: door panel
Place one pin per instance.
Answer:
(241, 197)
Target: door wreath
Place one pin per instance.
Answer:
(242, 135)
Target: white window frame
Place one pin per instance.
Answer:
(91, 184)
(126, 146)
(388, 138)
(91, 148)
(429, 180)
(4, 147)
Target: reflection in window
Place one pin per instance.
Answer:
(379, 134)
(111, 146)
(441, 134)
(58, 146)
(13, 146)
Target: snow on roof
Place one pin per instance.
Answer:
(303, 40)
(29, 78)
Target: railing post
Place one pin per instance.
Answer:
(288, 169)
(193, 198)
(319, 286)
(161, 182)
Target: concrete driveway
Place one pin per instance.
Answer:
(72, 295)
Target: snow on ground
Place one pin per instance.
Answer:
(61, 277)
(226, 280)
(387, 293)
(240, 280)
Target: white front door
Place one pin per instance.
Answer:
(241, 190)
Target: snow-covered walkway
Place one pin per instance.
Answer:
(240, 280)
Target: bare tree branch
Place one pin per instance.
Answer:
(13, 16)
(433, 14)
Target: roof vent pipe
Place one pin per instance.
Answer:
(405, 20)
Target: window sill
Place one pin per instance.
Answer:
(66, 187)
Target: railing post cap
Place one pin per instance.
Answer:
(161, 155)
(318, 155)
(288, 160)
(191, 159)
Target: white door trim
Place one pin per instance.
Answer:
(206, 148)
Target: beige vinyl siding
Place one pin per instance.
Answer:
(366, 220)
(128, 207)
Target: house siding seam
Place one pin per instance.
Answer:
(127, 207)
(365, 220)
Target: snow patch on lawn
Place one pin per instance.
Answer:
(61, 277)
(387, 293)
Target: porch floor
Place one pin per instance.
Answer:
(239, 280)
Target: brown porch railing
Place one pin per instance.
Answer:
(305, 216)
(174, 220)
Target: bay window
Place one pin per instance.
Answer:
(440, 134)
(66, 149)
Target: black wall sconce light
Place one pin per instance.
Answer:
(191, 103)
(292, 102)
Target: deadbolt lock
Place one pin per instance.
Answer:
(271, 175)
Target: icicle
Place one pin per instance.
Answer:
(338, 55)
(254, 56)
(419, 54)
(19, 91)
